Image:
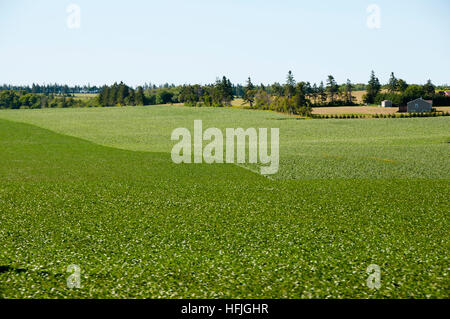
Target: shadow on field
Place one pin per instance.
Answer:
(44, 273)
(7, 268)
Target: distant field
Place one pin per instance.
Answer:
(96, 187)
(84, 96)
(239, 102)
(359, 96)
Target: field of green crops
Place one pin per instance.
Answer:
(97, 188)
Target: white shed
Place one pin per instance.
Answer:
(386, 103)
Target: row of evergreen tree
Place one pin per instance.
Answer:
(218, 94)
(48, 89)
(120, 95)
(11, 99)
(298, 98)
(291, 97)
(400, 92)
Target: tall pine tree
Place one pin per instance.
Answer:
(393, 83)
(332, 88)
(348, 92)
(373, 88)
(249, 92)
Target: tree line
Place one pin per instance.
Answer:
(121, 95)
(10, 99)
(298, 97)
(291, 97)
(400, 92)
(48, 89)
(218, 94)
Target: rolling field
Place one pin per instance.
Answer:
(97, 188)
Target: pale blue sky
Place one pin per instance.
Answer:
(197, 40)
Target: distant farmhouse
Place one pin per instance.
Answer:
(386, 103)
(417, 106)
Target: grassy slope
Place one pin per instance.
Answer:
(140, 226)
(309, 149)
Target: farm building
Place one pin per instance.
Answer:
(417, 106)
(386, 103)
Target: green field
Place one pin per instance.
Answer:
(97, 188)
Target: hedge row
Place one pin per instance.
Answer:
(393, 115)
